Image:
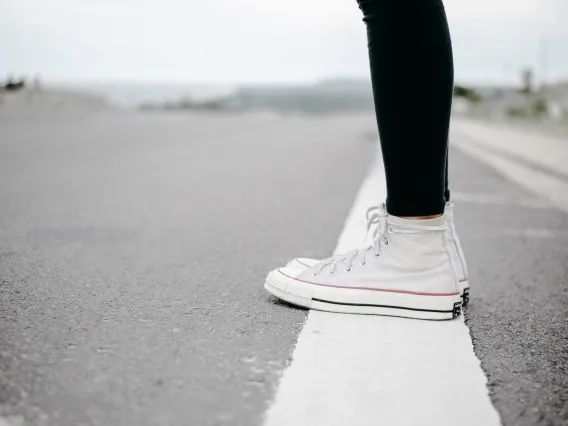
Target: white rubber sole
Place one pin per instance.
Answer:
(367, 302)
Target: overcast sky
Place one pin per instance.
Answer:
(260, 40)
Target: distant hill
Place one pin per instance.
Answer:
(322, 97)
(50, 99)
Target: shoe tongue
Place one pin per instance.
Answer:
(395, 220)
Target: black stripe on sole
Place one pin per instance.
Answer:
(455, 311)
(465, 297)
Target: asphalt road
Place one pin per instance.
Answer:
(133, 249)
(133, 255)
(516, 245)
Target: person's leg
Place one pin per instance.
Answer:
(410, 268)
(411, 62)
(446, 182)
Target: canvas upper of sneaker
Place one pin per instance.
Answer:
(404, 256)
(453, 246)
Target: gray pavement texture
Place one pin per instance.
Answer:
(133, 249)
(517, 248)
(133, 253)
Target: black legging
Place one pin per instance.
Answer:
(412, 72)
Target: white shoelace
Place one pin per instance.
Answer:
(375, 215)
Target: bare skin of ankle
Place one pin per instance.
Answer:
(435, 216)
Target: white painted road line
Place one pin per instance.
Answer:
(356, 370)
(544, 151)
(543, 184)
(492, 199)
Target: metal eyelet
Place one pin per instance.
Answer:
(348, 270)
(391, 230)
(387, 242)
(314, 274)
(332, 273)
(379, 254)
(363, 263)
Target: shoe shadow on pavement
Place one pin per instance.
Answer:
(279, 302)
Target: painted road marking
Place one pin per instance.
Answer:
(546, 185)
(362, 370)
(534, 150)
(525, 202)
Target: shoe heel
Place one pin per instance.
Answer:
(457, 309)
(465, 297)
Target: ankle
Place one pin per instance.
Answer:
(434, 216)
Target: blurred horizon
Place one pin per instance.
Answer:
(513, 82)
(261, 42)
(510, 58)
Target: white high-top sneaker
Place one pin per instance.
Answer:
(454, 248)
(405, 270)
